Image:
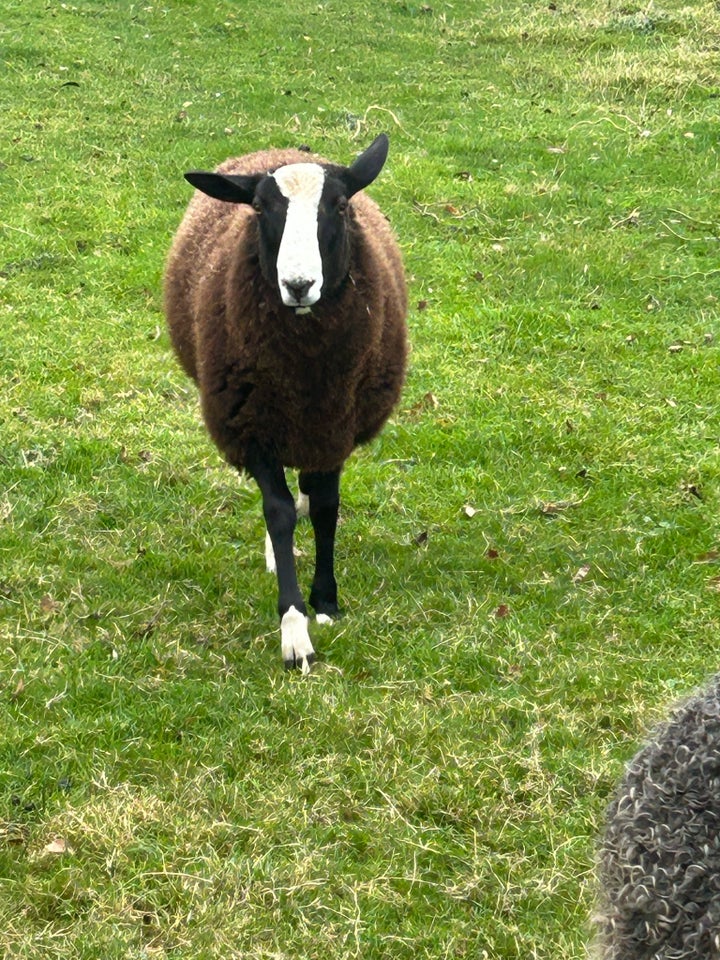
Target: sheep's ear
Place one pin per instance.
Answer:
(367, 166)
(224, 186)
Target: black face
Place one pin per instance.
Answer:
(270, 207)
(303, 219)
(333, 233)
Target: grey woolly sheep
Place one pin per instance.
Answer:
(659, 866)
(286, 301)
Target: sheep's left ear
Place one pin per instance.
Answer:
(367, 166)
(224, 186)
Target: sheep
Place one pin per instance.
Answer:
(286, 302)
(659, 862)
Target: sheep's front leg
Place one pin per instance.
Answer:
(302, 509)
(279, 511)
(323, 492)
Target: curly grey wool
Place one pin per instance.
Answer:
(659, 866)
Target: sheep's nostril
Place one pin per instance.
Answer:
(298, 288)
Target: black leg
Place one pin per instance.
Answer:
(323, 490)
(279, 511)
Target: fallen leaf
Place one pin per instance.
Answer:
(469, 511)
(502, 611)
(491, 553)
(19, 689)
(581, 573)
(14, 834)
(48, 605)
(427, 402)
(422, 305)
(710, 557)
(58, 846)
(421, 538)
(550, 508)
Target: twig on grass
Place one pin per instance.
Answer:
(177, 875)
(686, 216)
(681, 237)
(363, 123)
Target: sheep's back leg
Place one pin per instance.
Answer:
(279, 511)
(323, 493)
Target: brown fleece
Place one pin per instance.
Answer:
(308, 388)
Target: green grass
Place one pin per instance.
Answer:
(436, 788)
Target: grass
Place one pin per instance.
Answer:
(436, 788)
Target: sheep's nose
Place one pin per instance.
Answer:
(298, 288)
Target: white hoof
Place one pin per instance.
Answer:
(297, 649)
(270, 565)
(323, 618)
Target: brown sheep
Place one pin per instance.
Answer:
(286, 301)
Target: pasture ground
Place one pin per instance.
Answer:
(529, 557)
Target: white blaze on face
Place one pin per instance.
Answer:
(299, 264)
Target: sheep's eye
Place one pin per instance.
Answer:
(257, 206)
(342, 205)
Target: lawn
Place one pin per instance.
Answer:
(528, 557)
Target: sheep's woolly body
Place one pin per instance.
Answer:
(251, 355)
(660, 857)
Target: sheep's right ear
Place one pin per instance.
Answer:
(224, 186)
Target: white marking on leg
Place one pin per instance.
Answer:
(270, 564)
(295, 640)
(302, 505)
(299, 263)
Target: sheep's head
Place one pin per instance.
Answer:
(302, 217)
